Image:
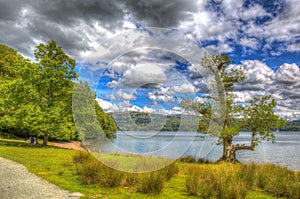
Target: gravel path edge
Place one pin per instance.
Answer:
(16, 182)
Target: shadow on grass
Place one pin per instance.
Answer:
(21, 143)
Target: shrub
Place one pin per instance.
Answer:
(200, 182)
(109, 177)
(247, 174)
(132, 179)
(187, 159)
(152, 182)
(204, 161)
(230, 184)
(170, 171)
(92, 171)
(280, 182)
(222, 181)
(231, 187)
(89, 171)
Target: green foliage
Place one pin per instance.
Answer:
(10, 63)
(92, 122)
(171, 122)
(257, 116)
(106, 122)
(36, 97)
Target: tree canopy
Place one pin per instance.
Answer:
(36, 97)
(257, 115)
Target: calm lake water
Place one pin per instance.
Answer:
(285, 152)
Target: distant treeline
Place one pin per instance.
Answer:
(133, 121)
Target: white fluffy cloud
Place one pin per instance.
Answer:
(126, 96)
(283, 85)
(163, 94)
(253, 12)
(143, 74)
(185, 88)
(249, 42)
(293, 47)
(258, 75)
(288, 74)
(207, 25)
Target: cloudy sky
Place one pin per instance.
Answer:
(135, 67)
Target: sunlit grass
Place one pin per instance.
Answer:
(57, 166)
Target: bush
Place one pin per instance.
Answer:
(231, 187)
(132, 179)
(187, 159)
(89, 171)
(80, 157)
(200, 182)
(279, 181)
(92, 171)
(247, 174)
(151, 183)
(221, 182)
(230, 184)
(109, 177)
(170, 171)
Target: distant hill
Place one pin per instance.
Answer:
(134, 121)
(293, 125)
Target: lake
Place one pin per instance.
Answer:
(285, 152)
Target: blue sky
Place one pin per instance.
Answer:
(261, 36)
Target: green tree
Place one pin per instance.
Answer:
(53, 83)
(11, 64)
(258, 115)
(40, 96)
(91, 121)
(36, 97)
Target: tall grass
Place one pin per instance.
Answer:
(207, 182)
(153, 182)
(92, 171)
(200, 182)
(279, 181)
(80, 158)
(236, 180)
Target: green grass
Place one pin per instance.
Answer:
(56, 166)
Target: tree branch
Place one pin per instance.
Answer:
(244, 147)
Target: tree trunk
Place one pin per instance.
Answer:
(45, 140)
(229, 151)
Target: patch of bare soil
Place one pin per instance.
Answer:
(76, 145)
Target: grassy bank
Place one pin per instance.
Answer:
(61, 167)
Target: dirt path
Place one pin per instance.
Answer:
(16, 182)
(69, 145)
